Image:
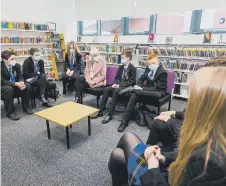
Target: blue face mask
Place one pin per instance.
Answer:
(153, 67)
(123, 62)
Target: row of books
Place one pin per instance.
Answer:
(181, 77)
(28, 39)
(23, 26)
(112, 59)
(25, 52)
(183, 65)
(208, 52)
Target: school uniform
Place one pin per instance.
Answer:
(73, 62)
(154, 86)
(10, 75)
(125, 77)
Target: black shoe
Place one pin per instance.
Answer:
(64, 92)
(107, 119)
(28, 111)
(47, 104)
(13, 116)
(43, 99)
(97, 115)
(122, 127)
(77, 100)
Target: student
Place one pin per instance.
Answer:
(201, 156)
(12, 84)
(95, 74)
(73, 59)
(33, 69)
(125, 77)
(166, 127)
(151, 85)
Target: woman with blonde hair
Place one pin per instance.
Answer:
(73, 60)
(200, 159)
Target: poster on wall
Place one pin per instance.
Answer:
(151, 38)
(207, 37)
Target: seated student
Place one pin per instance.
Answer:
(73, 59)
(166, 127)
(125, 77)
(33, 68)
(95, 74)
(151, 85)
(201, 156)
(12, 84)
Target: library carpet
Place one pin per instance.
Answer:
(29, 158)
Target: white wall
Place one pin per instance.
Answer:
(39, 11)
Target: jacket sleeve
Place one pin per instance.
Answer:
(153, 177)
(117, 77)
(5, 82)
(19, 75)
(66, 61)
(142, 79)
(42, 68)
(179, 115)
(26, 70)
(102, 76)
(87, 75)
(161, 83)
(78, 62)
(194, 174)
(131, 80)
(170, 157)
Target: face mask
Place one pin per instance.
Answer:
(123, 62)
(153, 67)
(72, 50)
(37, 58)
(12, 63)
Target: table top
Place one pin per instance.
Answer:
(67, 113)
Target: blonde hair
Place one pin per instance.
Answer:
(75, 46)
(204, 119)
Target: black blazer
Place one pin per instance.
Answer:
(5, 75)
(77, 67)
(194, 174)
(28, 68)
(129, 78)
(158, 84)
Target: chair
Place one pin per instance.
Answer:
(167, 97)
(98, 91)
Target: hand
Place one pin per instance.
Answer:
(117, 86)
(149, 150)
(23, 85)
(153, 162)
(19, 84)
(91, 82)
(159, 156)
(71, 73)
(113, 86)
(164, 118)
(169, 113)
(38, 73)
(68, 72)
(137, 87)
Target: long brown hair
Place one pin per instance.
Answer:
(75, 46)
(204, 121)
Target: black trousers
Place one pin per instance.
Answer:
(41, 83)
(80, 84)
(119, 158)
(69, 79)
(161, 132)
(8, 93)
(107, 93)
(135, 97)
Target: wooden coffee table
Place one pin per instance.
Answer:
(67, 114)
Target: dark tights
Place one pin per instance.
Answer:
(119, 158)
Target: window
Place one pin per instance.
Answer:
(138, 24)
(213, 19)
(89, 27)
(170, 23)
(110, 27)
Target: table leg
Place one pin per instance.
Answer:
(89, 126)
(67, 137)
(48, 129)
